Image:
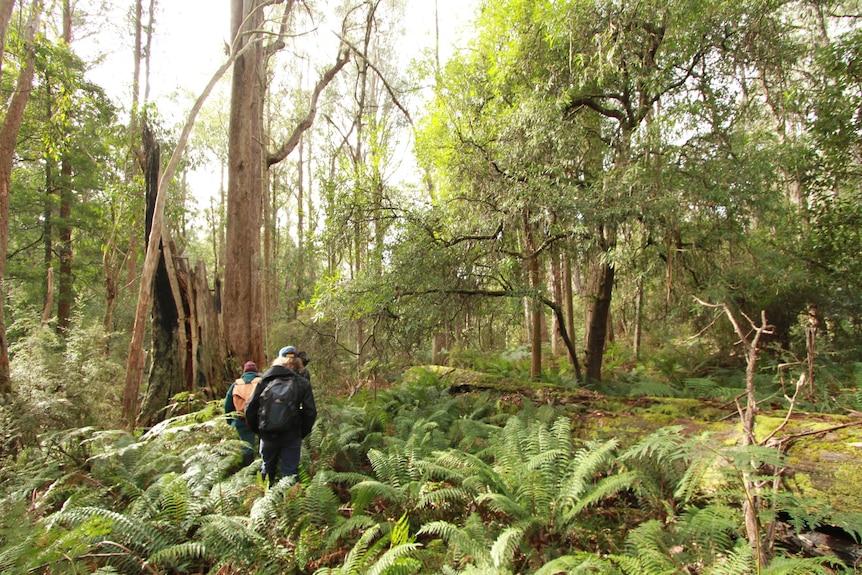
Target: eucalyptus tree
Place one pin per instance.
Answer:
(581, 122)
(248, 161)
(14, 113)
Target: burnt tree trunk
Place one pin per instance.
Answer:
(163, 372)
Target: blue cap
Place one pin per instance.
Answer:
(287, 350)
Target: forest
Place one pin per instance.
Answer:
(581, 294)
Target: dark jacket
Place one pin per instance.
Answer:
(307, 408)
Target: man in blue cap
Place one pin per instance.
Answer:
(290, 351)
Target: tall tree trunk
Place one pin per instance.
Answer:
(243, 311)
(599, 292)
(6, 7)
(534, 303)
(8, 140)
(569, 301)
(639, 304)
(557, 290)
(65, 288)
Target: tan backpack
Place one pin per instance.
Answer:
(242, 392)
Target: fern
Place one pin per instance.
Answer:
(178, 556)
(503, 549)
(579, 563)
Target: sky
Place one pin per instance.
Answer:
(189, 46)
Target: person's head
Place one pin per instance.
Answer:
(249, 366)
(292, 362)
(287, 351)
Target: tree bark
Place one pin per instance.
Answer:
(8, 139)
(135, 364)
(535, 307)
(243, 314)
(557, 290)
(6, 7)
(598, 314)
(65, 287)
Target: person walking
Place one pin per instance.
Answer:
(238, 395)
(282, 445)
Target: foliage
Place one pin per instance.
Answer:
(449, 484)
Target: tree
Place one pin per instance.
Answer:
(8, 141)
(243, 314)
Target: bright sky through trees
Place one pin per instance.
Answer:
(190, 43)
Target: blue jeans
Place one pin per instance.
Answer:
(272, 451)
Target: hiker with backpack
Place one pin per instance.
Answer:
(282, 413)
(235, 402)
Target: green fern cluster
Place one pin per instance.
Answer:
(410, 481)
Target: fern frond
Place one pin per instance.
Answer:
(342, 531)
(365, 492)
(714, 527)
(457, 496)
(135, 534)
(699, 473)
(606, 487)
(505, 504)
(800, 566)
(653, 388)
(175, 555)
(579, 563)
(397, 561)
(738, 561)
(459, 541)
(585, 465)
(504, 547)
(662, 445)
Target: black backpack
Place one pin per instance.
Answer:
(279, 405)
